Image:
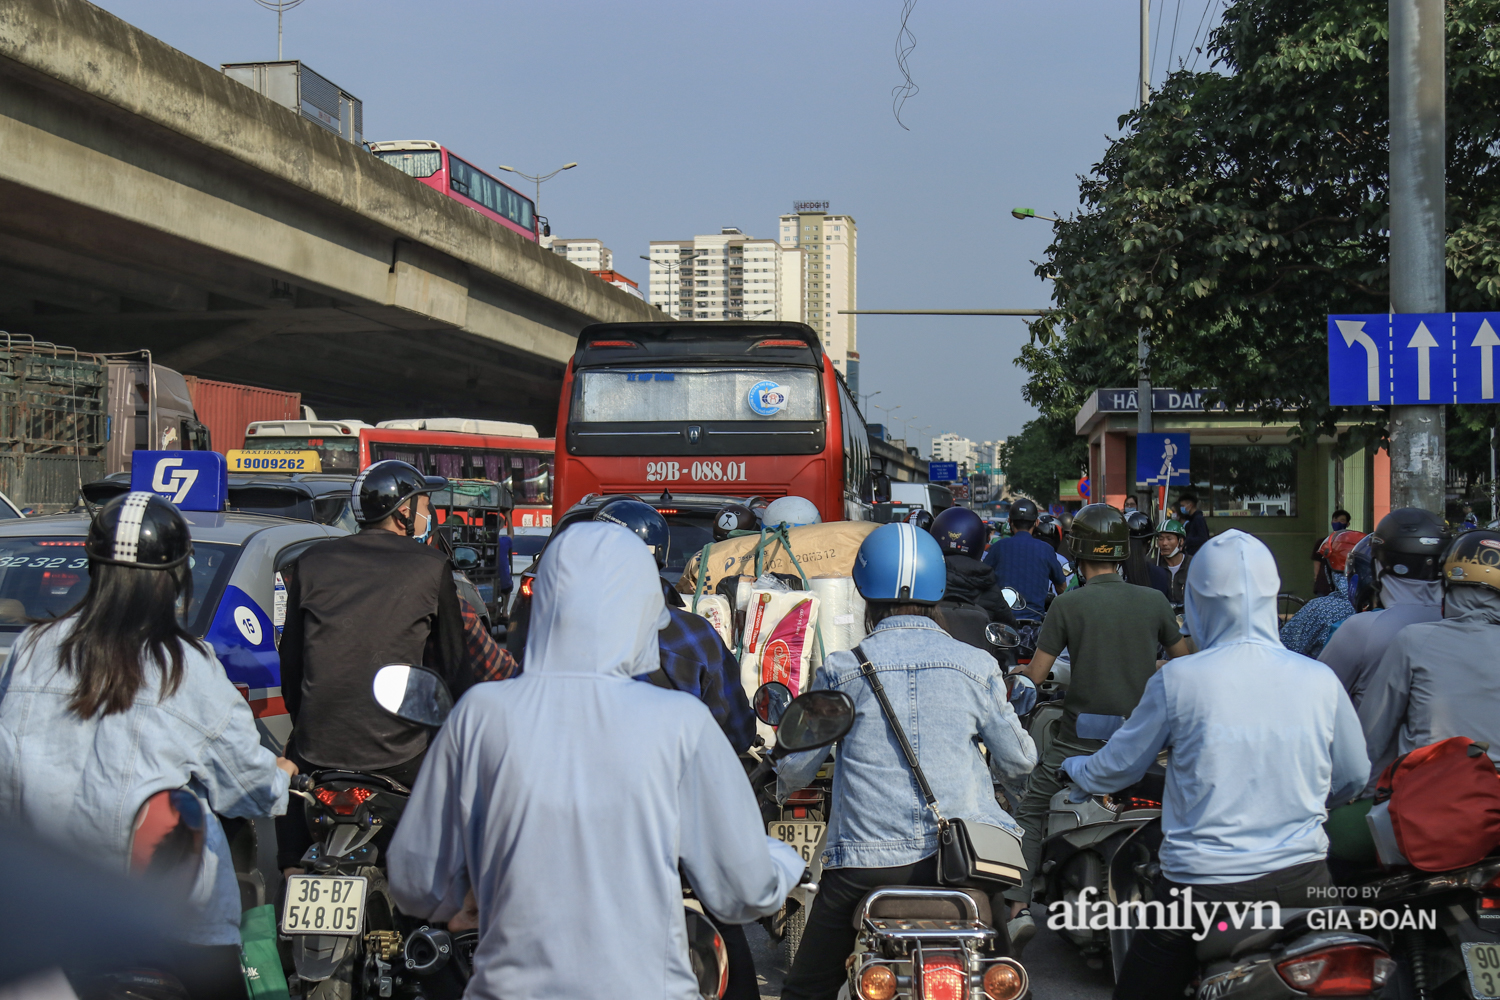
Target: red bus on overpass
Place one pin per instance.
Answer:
(738, 409)
(435, 166)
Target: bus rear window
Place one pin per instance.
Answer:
(414, 162)
(338, 454)
(611, 395)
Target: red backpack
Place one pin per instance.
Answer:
(1444, 804)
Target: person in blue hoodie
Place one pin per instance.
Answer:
(1251, 770)
(568, 799)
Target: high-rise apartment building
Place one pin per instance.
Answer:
(830, 282)
(728, 276)
(952, 448)
(591, 255)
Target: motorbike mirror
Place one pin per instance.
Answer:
(1013, 598)
(1000, 635)
(166, 842)
(814, 719)
(771, 700)
(465, 559)
(415, 694)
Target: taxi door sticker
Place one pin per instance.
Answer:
(242, 638)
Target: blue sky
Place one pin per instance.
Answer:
(687, 117)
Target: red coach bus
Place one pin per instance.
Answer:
(496, 450)
(460, 180)
(739, 409)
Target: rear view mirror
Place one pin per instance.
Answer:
(415, 694)
(771, 700)
(814, 719)
(1013, 598)
(882, 488)
(1000, 635)
(465, 559)
(166, 842)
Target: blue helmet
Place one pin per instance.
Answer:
(644, 521)
(791, 511)
(959, 530)
(897, 562)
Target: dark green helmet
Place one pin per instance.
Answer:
(1099, 534)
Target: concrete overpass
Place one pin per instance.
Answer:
(148, 201)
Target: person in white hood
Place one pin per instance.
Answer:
(567, 798)
(1261, 739)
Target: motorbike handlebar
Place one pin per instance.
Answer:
(302, 783)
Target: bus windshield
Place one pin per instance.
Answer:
(414, 162)
(340, 454)
(610, 395)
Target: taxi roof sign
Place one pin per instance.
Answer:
(254, 460)
(193, 480)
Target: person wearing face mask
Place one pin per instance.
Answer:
(1195, 527)
(1323, 582)
(1406, 548)
(1171, 555)
(355, 604)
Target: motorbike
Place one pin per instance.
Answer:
(348, 940)
(1443, 928)
(1316, 951)
(811, 720)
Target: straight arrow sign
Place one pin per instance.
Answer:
(1354, 333)
(1486, 340)
(1424, 342)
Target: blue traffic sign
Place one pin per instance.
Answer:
(193, 480)
(1409, 359)
(942, 472)
(1162, 459)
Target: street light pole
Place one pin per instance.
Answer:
(1145, 52)
(867, 396)
(671, 285)
(1418, 228)
(536, 206)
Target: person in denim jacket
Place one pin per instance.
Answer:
(949, 697)
(114, 702)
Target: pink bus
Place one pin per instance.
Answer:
(460, 180)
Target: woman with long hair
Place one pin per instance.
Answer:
(115, 701)
(1139, 568)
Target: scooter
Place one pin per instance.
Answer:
(811, 720)
(1317, 951)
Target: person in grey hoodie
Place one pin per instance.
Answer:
(567, 800)
(1407, 546)
(1438, 679)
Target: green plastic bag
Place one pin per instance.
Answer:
(1349, 837)
(259, 959)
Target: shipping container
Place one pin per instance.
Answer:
(312, 95)
(227, 409)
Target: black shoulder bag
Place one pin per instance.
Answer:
(972, 855)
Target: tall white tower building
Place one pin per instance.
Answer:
(830, 284)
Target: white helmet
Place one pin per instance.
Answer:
(790, 511)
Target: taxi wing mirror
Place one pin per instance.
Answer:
(465, 559)
(415, 694)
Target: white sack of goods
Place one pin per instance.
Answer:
(720, 615)
(780, 633)
(841, 615)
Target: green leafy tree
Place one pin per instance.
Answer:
(1245, 203)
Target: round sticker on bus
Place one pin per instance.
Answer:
(767, 398)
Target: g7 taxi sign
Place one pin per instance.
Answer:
(193, 480)
(1412, 358)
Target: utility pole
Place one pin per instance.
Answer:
(1418, 231)
(1142, 407)
(1145, 52)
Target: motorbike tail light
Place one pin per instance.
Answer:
(805, 797)
(877, 982)
(1125, 803)
(526, 587)
(345, 801)
(943, 978)
(1002, 982)
(1348, 971)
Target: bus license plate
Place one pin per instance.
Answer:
(1483, 963)
(320, 904)
(801, 837)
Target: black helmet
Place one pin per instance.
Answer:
(1473, 560)
(1099, 534)
(1022, 511)
(1409, 542)
(733, 517)
(384, 486)
(644, 520)
(921, 518)
(1048, 530)
(960, 530)
(1139, 525)
(142, 530)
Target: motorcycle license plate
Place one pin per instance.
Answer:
(803, 838)
(1483, 964)
(324, 904)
